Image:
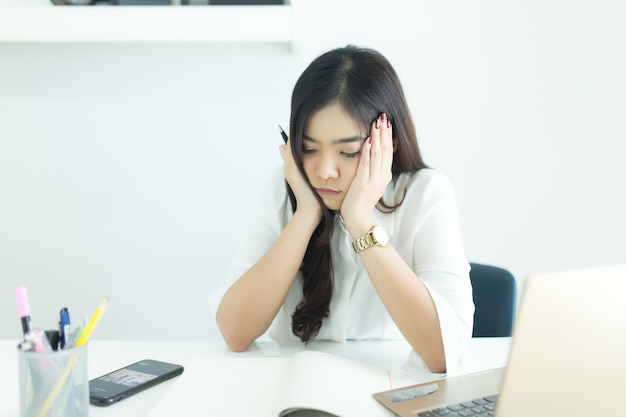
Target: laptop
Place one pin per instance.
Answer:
(567, 358)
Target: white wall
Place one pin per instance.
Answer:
(125, 169)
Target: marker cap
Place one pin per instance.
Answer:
(22, 301)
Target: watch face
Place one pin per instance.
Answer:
(381, 236)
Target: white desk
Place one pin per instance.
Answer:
(106, 356)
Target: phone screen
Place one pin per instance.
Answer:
(130, 380)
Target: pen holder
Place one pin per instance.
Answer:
(54, 384)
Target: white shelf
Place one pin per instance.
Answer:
(48, 23)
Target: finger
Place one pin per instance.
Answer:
(375, 152)
(385, 141)
(387, 147)
(385, 130)
(363, 170)
(283, 152)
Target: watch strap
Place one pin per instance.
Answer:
(364, 242)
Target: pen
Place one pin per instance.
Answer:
(23, 308)
(283, 134)
(64, 326)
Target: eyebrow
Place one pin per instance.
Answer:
(336, 141)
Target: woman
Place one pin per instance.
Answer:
(363, 241)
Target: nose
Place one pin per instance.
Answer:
(327, 168)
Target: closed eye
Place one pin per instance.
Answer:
(351, 154)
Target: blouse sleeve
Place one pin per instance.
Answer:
(439, 261)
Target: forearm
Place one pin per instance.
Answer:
(251, 303)
(408, 302)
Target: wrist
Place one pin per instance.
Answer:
(358, 227)
(310, 217)
(358, 220)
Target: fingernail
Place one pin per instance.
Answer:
(371, 139)
(383, 117)
(377, 123)
(388, 123)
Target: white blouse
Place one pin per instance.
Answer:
(424, 230)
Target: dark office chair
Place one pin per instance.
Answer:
(494, 293)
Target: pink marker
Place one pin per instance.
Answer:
(23, 307)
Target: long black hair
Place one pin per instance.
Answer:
(365, 84)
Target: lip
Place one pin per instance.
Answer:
(326, 191)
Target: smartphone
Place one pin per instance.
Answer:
(127, 381)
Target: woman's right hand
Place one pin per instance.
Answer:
(306, 200)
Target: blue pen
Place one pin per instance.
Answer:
(64, 326)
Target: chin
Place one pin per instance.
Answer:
(332, 205)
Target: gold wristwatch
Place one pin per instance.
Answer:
(377, 236)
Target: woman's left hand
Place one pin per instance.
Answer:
(372, 176)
